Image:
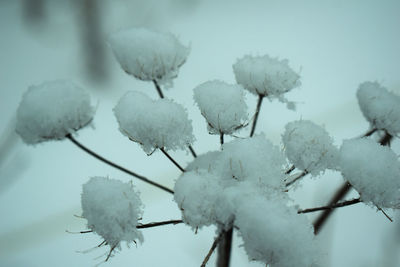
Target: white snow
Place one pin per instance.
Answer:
(52, 110)
(222, 105)
(266, 76)
(149, 55)
(153, 123)
(112, 210)
(309, 147)
(379, 106)
(373, 170)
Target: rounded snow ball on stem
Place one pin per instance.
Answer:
(222, 105)
(153, 123)
(112, 210)
(373, 170)
(379, 106)
(149, 55)
(265, 76)
(275, 234)
(52, 110)
(309, 147)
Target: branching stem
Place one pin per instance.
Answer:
(337, 205)
(155, 224)
(253, 127)
(172, 160)
(112, 164)
(224, 249)
(214, 245)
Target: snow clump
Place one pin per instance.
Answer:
(309, 147)
(149, 55)
(275, 234)
(373, 170)
(379, 106)
(112, 210)
(52, 110)
(153, 123)
(265, 76)
(222, 105)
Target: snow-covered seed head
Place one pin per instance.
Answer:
(112, 210)
(309, 147)
(265, 75)
(149, 55)
(373, 170)
(379, 106)
(154, 123)
(52, 110)
(222, 105)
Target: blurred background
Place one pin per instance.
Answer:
(334, 45)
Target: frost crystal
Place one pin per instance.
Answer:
(52, 110)
(274, 233)
(153, 123)
(309, 147)
(373, 170)
(112, 210)
(265, 75)
(149, 55)
(379, 106)
(222, 105)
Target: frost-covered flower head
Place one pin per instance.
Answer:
(52, 110)
(379, 106)
(153, 123)
(265, 76)
(222, 105)
(309, 147)
(112, 210)
(149, 55)
(373, 170)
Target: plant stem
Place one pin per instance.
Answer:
(172, 160)
(337, 205)
(341, 192)
(224, 249)
(301, 175)
(221, 138)
(210, 252)
(253, 127)
(291, 168)
(154, 224)
(112, 164)
(160, 93)
(192, 151)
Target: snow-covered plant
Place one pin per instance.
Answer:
(379, 106)
(153, 123)
(222, 105)
(149, 55)
(373, 170)
(52, 110)
(244, 185)
(266, 76)
(309, 147)
(112, 210)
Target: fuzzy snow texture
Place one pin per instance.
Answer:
(222, 105)
(149, 55)
(309, 147)
(153, 123)
(379, 106)
(243, 185)
(52, 110)
(373, 170)
(276, 235)
(265, 75)
(112, 210)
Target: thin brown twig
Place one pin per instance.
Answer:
(155, 224)
(337, 205)
(112, 164)
(253, 127)
(301, 175)
(213, 247)
(172, 160)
